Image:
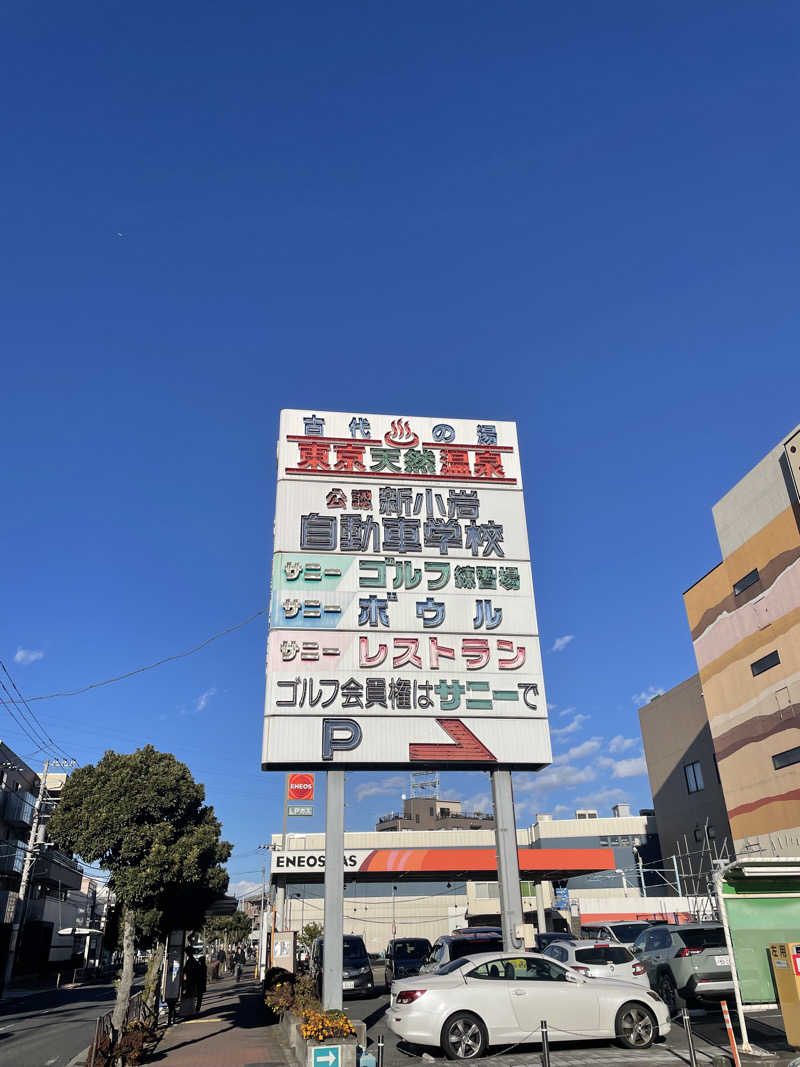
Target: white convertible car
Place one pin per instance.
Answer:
(495, 998)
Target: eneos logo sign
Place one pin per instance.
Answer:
(300, 787)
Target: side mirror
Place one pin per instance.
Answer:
(636, 949)
(574, 978)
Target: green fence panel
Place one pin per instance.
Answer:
(755, 924)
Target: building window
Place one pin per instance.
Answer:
(746, 582)
(592, 815)
(581, 814)
(764, 664)
(432, 811)
(613, 840)
(603, 842)
(624, 840)
(694, 777)
(786, 759)
(416, 818)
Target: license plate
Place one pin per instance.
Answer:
(722, 961)
(348, 985)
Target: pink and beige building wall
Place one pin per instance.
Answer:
(745, 621)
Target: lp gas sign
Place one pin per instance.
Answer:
(403, 628)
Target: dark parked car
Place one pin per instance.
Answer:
(405, 956)
(356, 970)
(454, 946)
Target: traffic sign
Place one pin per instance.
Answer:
(296, 810)
(326, 1056)
(300, 787)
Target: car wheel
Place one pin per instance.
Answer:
(635, 1026)
(464, 1037)
(668, 992)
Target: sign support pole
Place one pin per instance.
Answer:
(507, 859)
(333, 954)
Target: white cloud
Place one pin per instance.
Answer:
(567, 711)
(604, 761)
(561, 643)
(621, 744)
(586, 748)
(604, 796)
(551, 707)
(562, 809)
(27, 655)
(630, 768)
(480, 802)
(380, 787)
(202, 701)
(571, 727)
(239, 889)
(555, 777)
(646, 695)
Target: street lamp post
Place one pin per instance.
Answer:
(394, 898)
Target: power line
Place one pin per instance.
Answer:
(30, 710)
(21, 723)
(151, 666)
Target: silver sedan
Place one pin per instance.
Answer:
(493, 998)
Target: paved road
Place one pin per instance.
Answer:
(709, 1031)
(48, 1029)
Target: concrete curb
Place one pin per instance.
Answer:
(80, 1059)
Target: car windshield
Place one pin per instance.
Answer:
(601, 954)
(629, 931)
(713, 937)
(469, 946)
(415, 949)
(354, 949)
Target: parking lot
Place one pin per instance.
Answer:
(707, 1028)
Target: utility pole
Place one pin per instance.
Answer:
(27, 869)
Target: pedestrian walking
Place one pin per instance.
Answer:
(201, 981)
(239, 963)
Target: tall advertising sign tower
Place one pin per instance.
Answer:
(403, 629)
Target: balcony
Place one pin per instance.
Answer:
(17, 808)
(57, 868)
(12, 857)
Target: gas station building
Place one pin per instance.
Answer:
(425, 883)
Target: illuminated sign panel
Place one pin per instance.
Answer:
(403, 628)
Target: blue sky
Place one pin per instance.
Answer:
(583, 217)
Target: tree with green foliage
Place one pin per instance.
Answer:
(142, 817)
(309, 934)
(232, 929)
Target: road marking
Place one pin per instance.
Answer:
(210, 1020)
(54, 1060)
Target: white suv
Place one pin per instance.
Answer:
(599, 959)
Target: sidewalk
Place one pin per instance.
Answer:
(230, 1031)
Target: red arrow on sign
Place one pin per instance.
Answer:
(466, 747)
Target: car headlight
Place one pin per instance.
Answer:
(363, 970)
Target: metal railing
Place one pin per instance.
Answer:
(399, 816)
(102, 1030)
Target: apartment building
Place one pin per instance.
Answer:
(744, 616)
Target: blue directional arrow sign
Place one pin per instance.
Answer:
(327, 1056)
